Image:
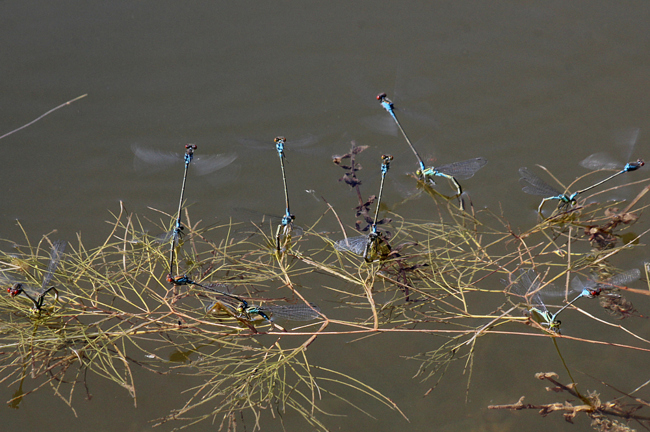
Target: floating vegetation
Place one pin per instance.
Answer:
(117, 310)
(242, 314)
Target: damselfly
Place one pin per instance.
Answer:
(372, 247)
(148, 161)
(614, 304)
(458, 170)
(290, 312)
(178, 227)
(536, 186)
(212, 287)
(626, 139)
(283, 232)
(527, 285)
(268, 312)
(156, 160)
(591, 288)
(34, 294)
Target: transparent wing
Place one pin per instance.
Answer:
(58, 247)
(381, 123)
(577, 286)
(464, 169)
(535, 185)
(625, 141)
(522, 284)
(555, 292)
(302, 144)
(293, 312)
(206, 164)
(148, 161)
(525, 285)
(292, 229)
(356, 245)
(6, 279)
(623, 279)
(600, 161)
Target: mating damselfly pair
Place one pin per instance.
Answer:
(271, 313)
(19, 287)
(149, 160)
(236, 306)
(462, 170)
(371, 247)
(529, 286)
(535, 186)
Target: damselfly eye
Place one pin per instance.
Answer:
(15, 290)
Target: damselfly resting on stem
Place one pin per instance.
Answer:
(185, 280)
(462, 170)
(527, 285)
(283, 232)
(34, 294)
(156, 160)
(536, 186)
(269, 312)
(372, 247)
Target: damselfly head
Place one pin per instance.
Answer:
(15, 289)
(178, 280)
(381, 97)
(386, 158)
(287, 219)
(280, 139)
(632, 166)
(242, 309)
(594, 292)
(555, 326)
(189, 152)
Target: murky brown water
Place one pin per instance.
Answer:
(519, 84)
